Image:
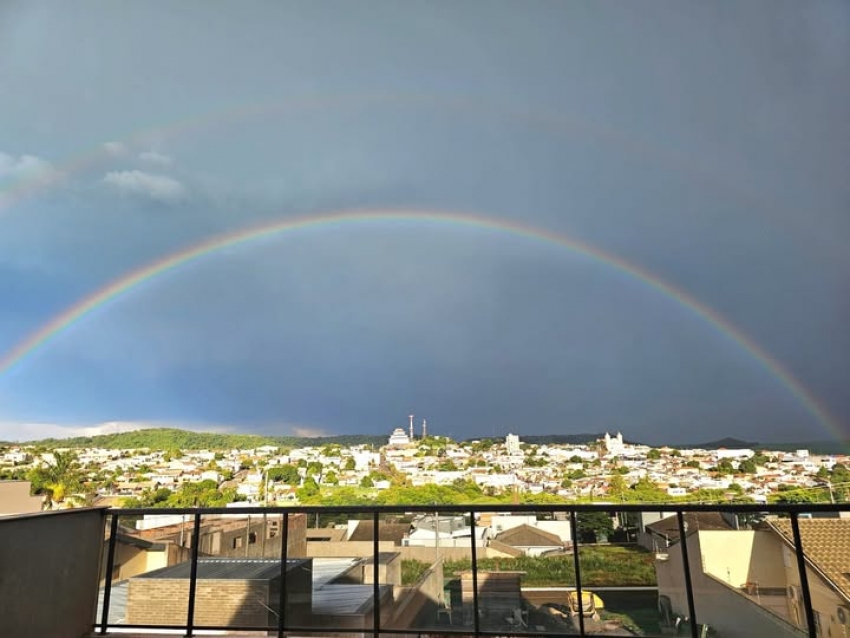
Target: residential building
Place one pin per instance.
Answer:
(512, 445)
(15, 498)
(746, 581)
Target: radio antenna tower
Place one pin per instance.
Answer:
(411, 427)
(424, 429)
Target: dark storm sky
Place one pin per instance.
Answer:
(707, 143)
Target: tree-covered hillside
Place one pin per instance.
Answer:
(173, 438)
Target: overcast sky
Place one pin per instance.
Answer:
(705, 142)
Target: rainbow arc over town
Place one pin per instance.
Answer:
(129, 282)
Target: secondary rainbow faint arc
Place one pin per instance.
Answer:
(546, 119)
(129, 281)
(555, 121)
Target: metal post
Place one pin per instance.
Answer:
(577, 563)
(247, 535)
(686, 565)
(475, 609)
(284, 567)
(804, 577)
(193, 576)
(376, 576)
(110, 565)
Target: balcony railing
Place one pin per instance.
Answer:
(255, 569)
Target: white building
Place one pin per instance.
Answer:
(614, 444)
(398, 438)
(743, 453)
(512, 445)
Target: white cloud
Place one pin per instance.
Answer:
(115, 148)
(152, 157)
(158, 187)
(17, 166)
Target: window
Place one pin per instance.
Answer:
(252, 538)
(237, 542)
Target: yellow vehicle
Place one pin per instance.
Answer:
(590, 604)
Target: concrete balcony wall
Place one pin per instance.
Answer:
(49, 572)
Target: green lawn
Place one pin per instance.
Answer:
(603, 566)
(412, 570)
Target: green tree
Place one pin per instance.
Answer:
(57, 477)
(308, 490)
(747, 466)
(724, 467)
(654, 454)
(284, 473)
(350, 464)
(367, 482)
(172, 454)
(594, 526)
(447, 465)
(617, 487)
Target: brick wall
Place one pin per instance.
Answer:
(217, 602)
(251, 536)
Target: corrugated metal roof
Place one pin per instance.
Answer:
(327, 569)
(346, 599)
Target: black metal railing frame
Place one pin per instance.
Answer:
(793, 511)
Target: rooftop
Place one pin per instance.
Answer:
(225, 569)
(826, 543)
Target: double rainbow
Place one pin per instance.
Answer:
(127, 283)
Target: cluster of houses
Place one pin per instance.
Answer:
(570, 471)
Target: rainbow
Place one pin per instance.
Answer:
(128, 282)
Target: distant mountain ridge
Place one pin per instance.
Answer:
(729, 443)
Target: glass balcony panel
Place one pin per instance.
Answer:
(102, 580)
(618, 574)
(150, 578)
(424, 558)
(739, 567)
(825, 542)
(526, 570)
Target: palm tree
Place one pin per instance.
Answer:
(56, 478)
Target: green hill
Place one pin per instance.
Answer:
(173, 438)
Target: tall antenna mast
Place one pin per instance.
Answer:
(411, 427)
(424, 429)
